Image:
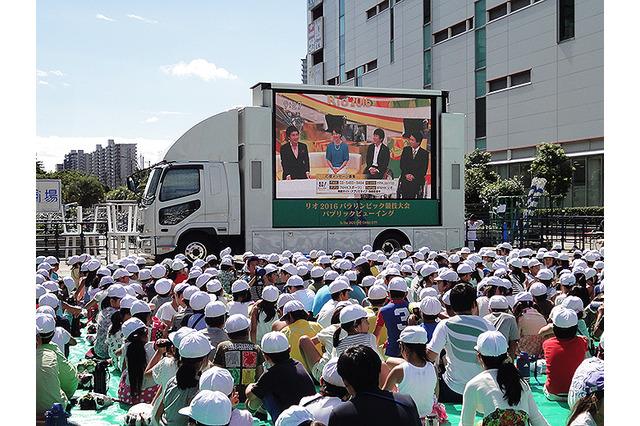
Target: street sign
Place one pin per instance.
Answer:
(48, 196)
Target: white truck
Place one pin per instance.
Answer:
(222, 183)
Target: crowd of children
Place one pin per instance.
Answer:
(411, 329)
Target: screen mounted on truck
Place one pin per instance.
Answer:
(354, 160)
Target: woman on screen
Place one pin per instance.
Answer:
(337, 152)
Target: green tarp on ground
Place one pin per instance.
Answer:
(556, 413)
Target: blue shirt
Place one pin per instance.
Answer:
(396, 319)
(322, 297)
(429, 327)
(339, 155)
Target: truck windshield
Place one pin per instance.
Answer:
(152, 185)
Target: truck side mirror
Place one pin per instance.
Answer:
(131, 184)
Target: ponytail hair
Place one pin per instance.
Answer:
(509, 378)
(349, 327)
(187, 375)
(136, 362)
(417, 348)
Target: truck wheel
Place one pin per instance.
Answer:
(197, 247)
(390, 241)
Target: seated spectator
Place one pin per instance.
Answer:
(499, 387)
(194, 350)
(282, 385)
(219, 379)
(543, 305)
(136, 386)
(215, 315)
(239, 355)
(394, 315)
(296, 316)
(563, 353)
(377, 297)
(241, 293)
(529, 321)
(198, 302)
(264, 313)
(430, 310)
(589, 409)
(296, 416)
(461, 366)
(208, 408)
(578, 387)
(339, 292)
(331, 393)
(504, 322)
(414, 374)
(359, 366)
(48, 390)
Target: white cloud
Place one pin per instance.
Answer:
(140, 18)
(44, 83)
(151, 120)
(56, 72)
(198, 67)
(40, 73)
(101, 16)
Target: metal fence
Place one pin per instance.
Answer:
(572, 232)
(63, 239)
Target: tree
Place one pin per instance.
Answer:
(477, 175)
(120, 193)
(502, 188)
(84, 190)
(553, 164)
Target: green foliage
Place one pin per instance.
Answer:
(120, 193)
(77, 187)
(502, 187)
(572, 211)
(553, 164)
(477, 175)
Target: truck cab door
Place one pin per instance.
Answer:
(180, 201)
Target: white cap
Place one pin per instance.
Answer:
(145, 274)
(190, 291)
(199, 300)
(564, 318)
(377, 292)
(40, 290)
(523, 296)
(194, 345)
(51, 286)
(133, 268)
(338, 286)
(45, 323)
(352, 313)
(544, 274)
(275, 342)
(48, 310)
(139, 306)
(239, 285)
(290, 268)
(127, 301)
(414, 334)
(215, 309)
(491, 343)
(217, 379)
(270, 293)
(163, 286)
(538, 289)
(237, 322)
(294, 281)
(330, 373)
(430, 305)
(202, 279)
(567, 279)
(176, 336)
(131, 325)
(464, 269)
(214, 285)
(283, 299)
(209, 408)
(121, 272)
(317, 272)
(574, 303)
(330, 275)
(178, 264)
(368, 281)
(446, 274)
(117, 291)
(498, 302)
(294, 416)
(398, 284)
(428, 291)
(293, 305)
(71, 285)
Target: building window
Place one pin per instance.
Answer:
(317, 57)
(498, 84)
(427, 68)
(521, 78)
(519, 4)
(481, 48)
(359, 72)
(426, 10)
(480, 13)
(350, 74)
(481, 82)
(371, 65)
(458, 28)
(481, 118)
(391, 53)
(383, 6)
(316, 13)
(372, 12)
(497, 12)
(440, 36)
(566, 19)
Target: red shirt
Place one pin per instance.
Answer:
(563, 358)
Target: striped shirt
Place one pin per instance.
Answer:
(458, 335)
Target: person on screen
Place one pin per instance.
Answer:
(377, 156)
(414, 161)
(337, 153)
(294, 156)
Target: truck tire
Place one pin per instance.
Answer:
(390, 241)
(196, 246)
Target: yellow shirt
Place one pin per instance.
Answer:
(295, 331)
(372, 326)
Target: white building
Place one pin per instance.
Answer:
(523, 71)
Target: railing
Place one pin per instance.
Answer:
(572, 232)
(63, 238)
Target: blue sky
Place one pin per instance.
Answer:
(147, 71)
